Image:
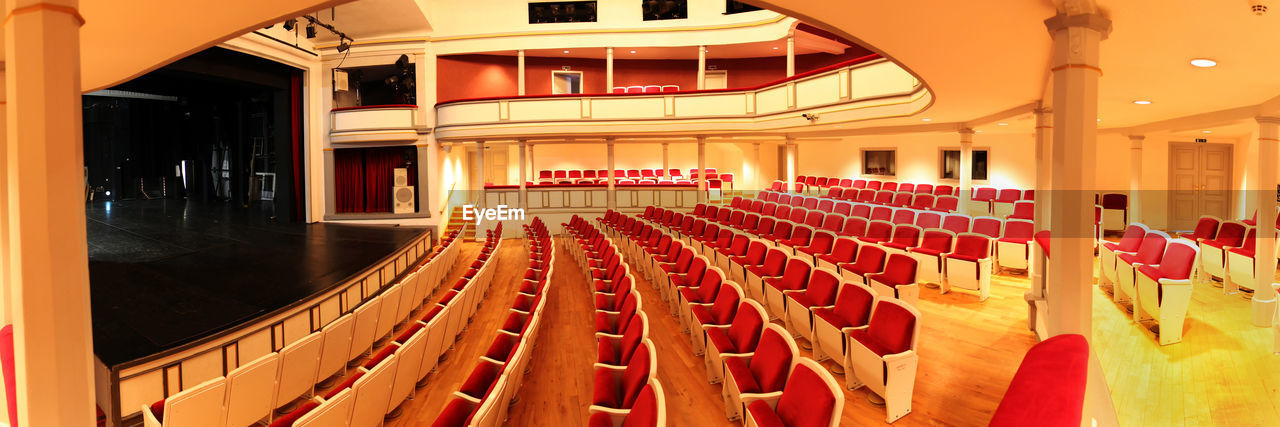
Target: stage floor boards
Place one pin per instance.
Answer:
(164, 273)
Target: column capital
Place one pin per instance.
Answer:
(1267, 120)
(1092, 21)
(1137, 138)
(702, 139)
(965, 131)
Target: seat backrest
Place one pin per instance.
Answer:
(637, 374)
(1152, 247)
(956, 223)
(796, 273)
(765, 226)
(726, 303)
(942, 190)
(854, 303)
(861, 211)
(1009, 195)
(907, 187)
(938, 240)
(854, 226)
(337, 342)
(983, 194)
(774, 262)
(366, 321)
(922, 201)
(798, 214)
(946, 203)
(927, 220)
(747, 324)
(843, 208)
(879, 230)
(196, 406)
(893, 324)
(881, 213)
(1024, 209)
(1017, 229)
(884, 197)
(782, 229)
(988, 226)
(1132, 238)
(870, 258)
(832, 222)
(822, 287)
(904, 216)
(684, 260)
(973, 245)
(900, 269)
(810, 398)
(334, 411)
(299, 363)
(1179, 259)
(1231, 233)
(783, 211)
(756, 250)
(250, 389)
(866, 195)
(821, 241)
(773, 359)
(902, 198)
(814, 218)
(924, 188)
(907, 235)
(889, 186)
(696, 270)
(844, 249)
(1206, 228)
(1115, 201)
(874, 185)
(636, 332)
(738, 244)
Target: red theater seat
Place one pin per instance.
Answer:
(1048, 389)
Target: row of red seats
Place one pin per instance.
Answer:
(633, 176)
(484, 397)
(626, 390)
(379, 385)
(765, 380)
(646, 89)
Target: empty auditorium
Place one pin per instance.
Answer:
(639, 213)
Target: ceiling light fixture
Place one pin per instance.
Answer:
(1002, 124)
(1099, 119)
(1142, 102)
(1204, 62)
(775, 48)
(288, 25)
(926, 119)
(633, 51)
(566, 51)
(1206, 131)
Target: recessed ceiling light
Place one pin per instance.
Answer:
(926, 119)
(1204, 62)
(979, 131)
(1099, 119)
(1206, 131)
(1142, 102)
(1002, 124)
(566, 51)
(633, 51)
(775, 48)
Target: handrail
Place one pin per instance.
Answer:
(373, 107)
(805, 74)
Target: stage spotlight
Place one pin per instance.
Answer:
(343, 45)
(288, 25)
(311, 30)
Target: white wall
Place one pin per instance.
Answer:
(919, 155)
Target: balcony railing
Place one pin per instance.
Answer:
(374, 123)
(859, 89)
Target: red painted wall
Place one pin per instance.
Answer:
(537, 73)
(475, 76)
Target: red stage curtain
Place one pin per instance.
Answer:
(348, 175)
(379, 176)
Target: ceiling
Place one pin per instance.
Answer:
(368, 19)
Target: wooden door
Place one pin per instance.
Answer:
(1199, 182)
(495, 164)
(715, 79)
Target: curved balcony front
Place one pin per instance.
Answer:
(861, 89)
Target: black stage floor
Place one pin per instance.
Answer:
(164, 273)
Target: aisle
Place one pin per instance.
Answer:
(427, 402)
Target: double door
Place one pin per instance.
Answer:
(1199, 182)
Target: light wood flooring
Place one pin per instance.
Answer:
(1222, 373)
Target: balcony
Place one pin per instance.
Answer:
(374, 123)
(865, 88)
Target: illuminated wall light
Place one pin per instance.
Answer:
(566, 51)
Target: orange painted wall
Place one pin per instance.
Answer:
(475, 76)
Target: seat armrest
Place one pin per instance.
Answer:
(461, 395)
(770, 398)
(600, 335)
(616, 416)
(1174, 282)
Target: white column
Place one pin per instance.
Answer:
(480, 176)
(608, 69)
(702, 66)
(791, 164)
(755, 166)
(1044, 166)
(1076, 40)
(966, 169)
(1264, 298)
(1135, 178)
(791, 56)
(47, 251)
(702, 168)
(524, 174)
(520, 72)
(608, 144)
(666, 159)
(533, 170)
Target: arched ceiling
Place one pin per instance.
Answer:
(122, 39)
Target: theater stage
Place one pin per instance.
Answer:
(164, 273)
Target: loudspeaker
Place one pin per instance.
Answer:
(403, 199)
(401, 177)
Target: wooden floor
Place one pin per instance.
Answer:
(1222, 373)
